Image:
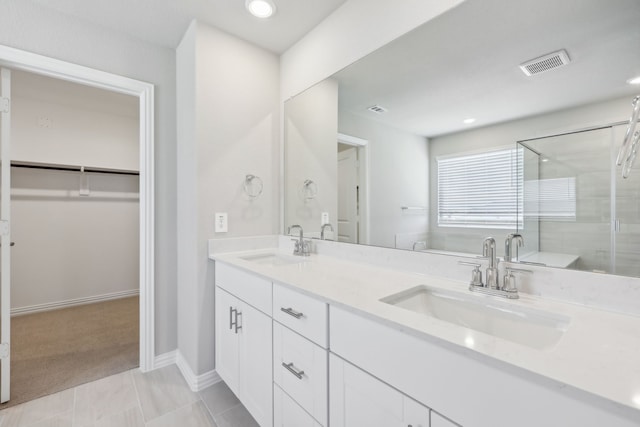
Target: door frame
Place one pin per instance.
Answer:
(26, 61)
(362, 146)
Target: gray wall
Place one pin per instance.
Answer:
(398, 176)
(34, 28)
(311, 135)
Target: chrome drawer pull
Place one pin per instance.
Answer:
(292, 312)
(233, 320)
(294, 371)
(237, 323)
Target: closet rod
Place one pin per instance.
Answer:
(74, 169)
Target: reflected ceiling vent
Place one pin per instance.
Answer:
(545, 63)
(377, 109)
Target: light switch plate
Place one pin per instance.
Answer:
(222, 225)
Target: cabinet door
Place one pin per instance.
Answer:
(358, 399)
(287, 413)
(415, 414)
(439, 421)
(256, 389)
(227, 362)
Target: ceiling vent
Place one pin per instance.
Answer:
(377, 109)
(545, 63)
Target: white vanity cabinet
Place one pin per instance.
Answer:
(359, 399)
(287, 413)
(244, 340)
(439, 421)
(300, 356)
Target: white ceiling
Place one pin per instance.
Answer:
(465, 63)
(163, 22)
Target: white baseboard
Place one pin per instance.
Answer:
(165, 359)
(196, 382)
(70, 303)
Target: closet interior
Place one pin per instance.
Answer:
(75, 225)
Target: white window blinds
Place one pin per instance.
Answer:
(481, 190)
(550, 199)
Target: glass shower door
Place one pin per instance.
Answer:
(570, 200)
(5, 235)
(626, 224)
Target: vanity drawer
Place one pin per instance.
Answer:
(287, 413)
(303, 314)
(300, 369)
(248, 287)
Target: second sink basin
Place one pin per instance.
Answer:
(273, 258)
(523, 325)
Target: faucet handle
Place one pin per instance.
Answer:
(476, 274)
(509, 280)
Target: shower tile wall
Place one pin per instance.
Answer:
(587, 157)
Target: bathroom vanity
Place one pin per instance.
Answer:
(320, 341)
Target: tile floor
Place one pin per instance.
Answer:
(160, 398)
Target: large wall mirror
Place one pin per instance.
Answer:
(440, 139)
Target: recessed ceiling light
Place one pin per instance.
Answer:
(260, 8)
(468, 121)
(634, 81)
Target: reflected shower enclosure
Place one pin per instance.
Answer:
(576, 204)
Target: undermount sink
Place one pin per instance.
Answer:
(527, 326)
(272, 258)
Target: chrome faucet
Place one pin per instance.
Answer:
(322, 230)
(489, 252)
(301, 247)
(493, 286)
(509, 247)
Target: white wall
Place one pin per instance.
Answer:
(76, 136)
(27, 26)
(71, 247)
(398, 176)
(507, 134)
(311, 152)
(227, 128)
(83, 247)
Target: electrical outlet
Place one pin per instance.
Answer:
(324, 218)
(221, 225)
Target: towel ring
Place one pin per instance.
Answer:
(309, 189)
(253, 186)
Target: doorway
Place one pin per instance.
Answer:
(24, 61)
(353, 194)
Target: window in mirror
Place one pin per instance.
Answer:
(480, 190)
(550, 199)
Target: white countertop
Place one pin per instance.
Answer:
(599, 353)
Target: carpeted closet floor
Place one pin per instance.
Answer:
(59, 349)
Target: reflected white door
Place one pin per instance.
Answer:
(5, 235)
(348, 196)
